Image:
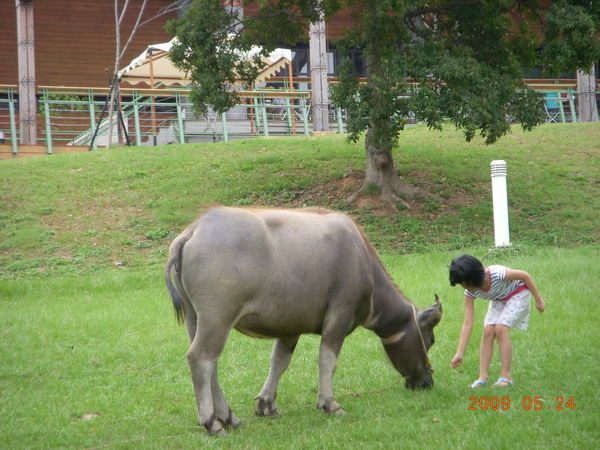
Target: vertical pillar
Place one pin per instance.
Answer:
(318, 76)
(26, 58)
(586, 96)
(500, 203)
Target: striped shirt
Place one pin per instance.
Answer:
(501, 289)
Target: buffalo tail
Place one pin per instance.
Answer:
(175, 260)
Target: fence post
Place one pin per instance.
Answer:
(92, 110)
(263, 106)
(561, 107)
(224, 124)
(257, 113)
(13, 123)
(571, 95)
(305, 115)
(48, 122)
(290, 115)
(180, 118)
(136, 118)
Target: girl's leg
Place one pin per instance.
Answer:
(505, 346)
(486, 350)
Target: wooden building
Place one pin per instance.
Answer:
(45, 44)
(74, 44)
(74, 41)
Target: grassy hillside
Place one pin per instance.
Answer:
(97, 360)
(119, 208)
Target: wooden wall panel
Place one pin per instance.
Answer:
(336, 27)
(8, 43)
(75, 40)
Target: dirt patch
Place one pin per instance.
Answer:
(336, 192)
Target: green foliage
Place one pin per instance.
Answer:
(464, 59)
(572, 36)
(65, 102)
(213, 54)
(221, 51)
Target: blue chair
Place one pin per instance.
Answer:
(552, 107)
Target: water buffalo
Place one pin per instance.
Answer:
(276, 273)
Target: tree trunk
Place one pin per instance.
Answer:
(380, 171)
(382, 174)
(113, 81)
(111, 109)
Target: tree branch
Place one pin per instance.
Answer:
(117, 17)
(441, 8)
(449, 6)
(139, 23)
(289, 13)
(135, 27)
(161, 12)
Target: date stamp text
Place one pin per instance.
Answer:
(527, 403)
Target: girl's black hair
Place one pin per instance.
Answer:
(466, 269)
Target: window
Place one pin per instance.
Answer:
(300, 66)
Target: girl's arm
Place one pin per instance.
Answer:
(465, 332)
(511, 274)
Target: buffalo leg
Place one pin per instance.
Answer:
(202, 358)
(191, 320)
(223, 412)
(332, 339)
(283, 349)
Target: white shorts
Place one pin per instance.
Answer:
(513, 313)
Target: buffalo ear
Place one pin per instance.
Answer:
(432, 315)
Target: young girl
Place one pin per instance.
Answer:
(509, 294)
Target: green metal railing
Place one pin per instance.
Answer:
(73, 116)
(9, 103)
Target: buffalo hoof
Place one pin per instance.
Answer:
(338, 412)
(221, 433)
(214, 429)
(265, 408)
(332, 407)
(231, 421)
(233, 425)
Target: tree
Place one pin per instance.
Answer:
(442, 61)
(142, 18)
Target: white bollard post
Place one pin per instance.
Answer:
(500, 203)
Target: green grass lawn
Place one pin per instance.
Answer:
(99, 361)
(91, 355)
